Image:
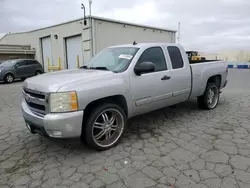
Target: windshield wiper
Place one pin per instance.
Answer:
(96, 68)
(84, 67)
(99, 68)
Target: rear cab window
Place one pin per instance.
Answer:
(175, 57)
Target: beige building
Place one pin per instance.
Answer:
(231, 56)
(73, 43)
(16, 52)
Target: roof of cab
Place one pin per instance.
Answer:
(143, 45)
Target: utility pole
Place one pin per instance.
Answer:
(91, 29)
(90, 3)
(179, 30)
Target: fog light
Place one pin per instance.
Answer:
(56, 133)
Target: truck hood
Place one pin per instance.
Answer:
(52, 82)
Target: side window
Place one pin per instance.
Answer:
(32, 62)
(36, 62)
(175, 56)
(22, 63)
(156, 56)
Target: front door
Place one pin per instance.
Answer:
(153, 90)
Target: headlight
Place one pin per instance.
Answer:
(0, 70)
(63, 102)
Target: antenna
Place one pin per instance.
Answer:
(179, 30)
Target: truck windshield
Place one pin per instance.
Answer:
(115, 59)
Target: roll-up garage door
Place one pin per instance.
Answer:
(74, 51)
(46, 52)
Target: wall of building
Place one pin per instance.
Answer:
(16, 52)
(233, 55)
(236, 55)
(105, 34)
(4, 57)
(58, 47)
(110, 33)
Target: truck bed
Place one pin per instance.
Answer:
(202, 71)
(201, 61)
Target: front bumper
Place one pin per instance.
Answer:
(1, 78)
(56, 125)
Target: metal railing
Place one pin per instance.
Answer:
(59, 66)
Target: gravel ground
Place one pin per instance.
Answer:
(182, 147)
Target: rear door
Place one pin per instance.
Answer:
(153, 90)
(180, 74)
(21, 69)
(31, 67)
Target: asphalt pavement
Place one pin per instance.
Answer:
(182, 147)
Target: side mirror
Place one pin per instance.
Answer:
(17, 65)
(144, 67)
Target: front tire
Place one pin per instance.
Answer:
(209, 100)
(9, 78)
(105, 126)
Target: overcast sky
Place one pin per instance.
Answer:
(206, 25)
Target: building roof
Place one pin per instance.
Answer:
(96, 18)
(132, 24)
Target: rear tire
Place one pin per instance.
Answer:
(104, 127)
(9, 78)
(38, 73)
(209, 100)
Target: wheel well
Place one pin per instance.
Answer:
(116, 99)
(9, 73)
(215, 79)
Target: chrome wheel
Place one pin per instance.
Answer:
(108, 127)
(213, 96)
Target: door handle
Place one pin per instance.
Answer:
(165, 77)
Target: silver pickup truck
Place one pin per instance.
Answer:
(95, 101)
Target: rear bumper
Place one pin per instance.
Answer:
(56, 125)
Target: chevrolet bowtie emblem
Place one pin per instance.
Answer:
(27, 98)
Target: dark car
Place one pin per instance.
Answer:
(19, 69)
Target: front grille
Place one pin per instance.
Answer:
(37, 95)
(36, 106)
(36, 101)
